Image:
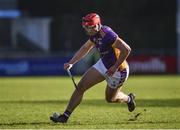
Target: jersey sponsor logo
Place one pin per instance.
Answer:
(104, 53)
(97, 40)
(100, 43)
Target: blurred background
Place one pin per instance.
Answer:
(38, 36)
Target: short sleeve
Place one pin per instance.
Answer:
(110, 37)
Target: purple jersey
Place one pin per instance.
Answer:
(104, 46)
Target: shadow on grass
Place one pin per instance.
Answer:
(25, 123)
(83, 124)
(100, 102)
(123, 122)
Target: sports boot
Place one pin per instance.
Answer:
(131, 104)
(58, 118)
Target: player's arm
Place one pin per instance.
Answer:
(124, 52)
(83, 51)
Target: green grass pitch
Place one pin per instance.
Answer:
(27, 102)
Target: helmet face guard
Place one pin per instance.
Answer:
(91, 23)
(91, 30)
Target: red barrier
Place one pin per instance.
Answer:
(153, 64)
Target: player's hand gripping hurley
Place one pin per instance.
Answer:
(69, 73)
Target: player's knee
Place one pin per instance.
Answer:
(80, 88)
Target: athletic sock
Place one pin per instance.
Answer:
(129, 99)
(67, 113)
